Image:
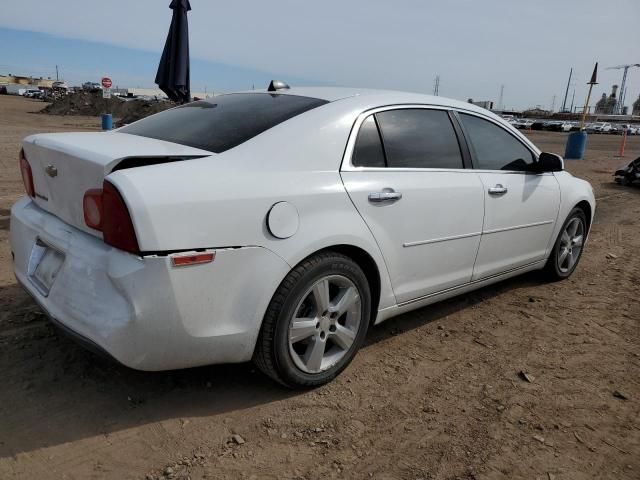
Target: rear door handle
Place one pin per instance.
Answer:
(499, 189)
(386, 195)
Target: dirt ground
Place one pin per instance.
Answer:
(434, 394)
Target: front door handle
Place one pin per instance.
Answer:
(499, 189)
(386, 195)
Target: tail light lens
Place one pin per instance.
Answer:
(27, 175)
(92, 207)
(106, 211)
(117, 227)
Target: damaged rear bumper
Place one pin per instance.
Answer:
(142, 311)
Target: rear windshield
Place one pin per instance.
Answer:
(223, 122)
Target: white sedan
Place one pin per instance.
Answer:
(278, 225)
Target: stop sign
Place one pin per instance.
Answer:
(106, 82)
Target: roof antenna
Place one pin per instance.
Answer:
(277, 85)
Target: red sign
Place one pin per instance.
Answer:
(106, 82)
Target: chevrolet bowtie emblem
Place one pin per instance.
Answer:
(51, 170)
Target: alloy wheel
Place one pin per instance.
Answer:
(325, 324)
(571, 243)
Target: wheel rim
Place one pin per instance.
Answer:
(325, 324)
(570, 246)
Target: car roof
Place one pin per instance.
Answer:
(372, 98)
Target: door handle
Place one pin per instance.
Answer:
(386, 195)
(499, 189)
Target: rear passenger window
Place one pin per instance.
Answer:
(368, 150)
(494, 147)
(419, 138)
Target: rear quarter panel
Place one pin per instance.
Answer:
(223, 200)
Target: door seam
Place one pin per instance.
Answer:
(372, 236)
(484, 217)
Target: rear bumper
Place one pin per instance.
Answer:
(142, 311)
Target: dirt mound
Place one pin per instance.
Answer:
(133, 110)
(92, 104)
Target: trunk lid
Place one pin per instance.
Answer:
(66, 165)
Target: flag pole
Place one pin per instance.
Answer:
(577, 141)
(591, 83)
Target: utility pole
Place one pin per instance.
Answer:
(436, 85)
(553, 103)
(57, 73)
(500, 106)
(566, 92)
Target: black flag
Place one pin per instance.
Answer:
(173, 71)
(593, 80)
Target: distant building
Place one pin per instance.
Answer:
(607, 105)
(25, 80)
(536, 112)
(636, 107)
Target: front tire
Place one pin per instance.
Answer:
(568, 248)
(315, 322)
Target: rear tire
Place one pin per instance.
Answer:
(315, 322)
(568, 247)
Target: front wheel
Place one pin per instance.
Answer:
(567, 250)
(316, 321)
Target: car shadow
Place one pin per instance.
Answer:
(54, 391)
(633, 188)
(431, 313)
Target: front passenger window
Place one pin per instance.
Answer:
(494, 147)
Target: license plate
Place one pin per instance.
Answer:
(45, 265)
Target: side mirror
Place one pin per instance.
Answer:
(549, 162)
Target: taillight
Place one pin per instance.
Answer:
(106, 211)
(117, 227)
(27, 175)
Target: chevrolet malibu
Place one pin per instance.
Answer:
(279, 225)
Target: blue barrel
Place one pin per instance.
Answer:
(576, 145)
(107, 121)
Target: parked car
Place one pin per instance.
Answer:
(567, 126)
(619, 129)
(557, 126)
(599, 127)
(59, 85)
(205, 235)
(30, 92)
(554, 126)
(91, 86)
(538, 124)
(523, 124)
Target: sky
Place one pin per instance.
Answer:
(474, 46)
